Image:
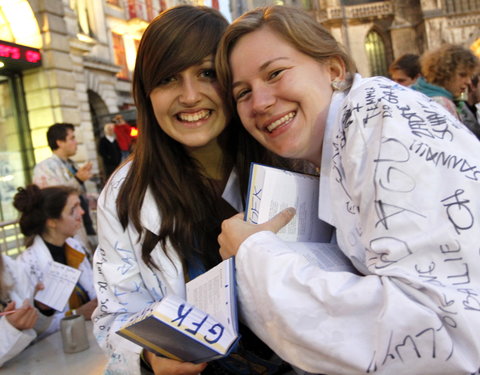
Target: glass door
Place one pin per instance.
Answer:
(16, 154)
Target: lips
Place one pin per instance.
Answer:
(194, 116)
(281, 121)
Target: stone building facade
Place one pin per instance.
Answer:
(377, 32)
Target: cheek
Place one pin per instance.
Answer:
(242, 111)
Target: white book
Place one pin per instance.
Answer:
(203, 328)
(272, 189)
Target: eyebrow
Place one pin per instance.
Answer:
(264, 66)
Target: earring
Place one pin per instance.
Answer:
(338, 85)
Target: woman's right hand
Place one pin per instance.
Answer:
(166, 366)
(24, 318)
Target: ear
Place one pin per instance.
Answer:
(337, 69)
(50, 224)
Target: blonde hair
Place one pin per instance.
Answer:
(294, 25)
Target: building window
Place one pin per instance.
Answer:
(16, 152)
(120, 57)
(83, 17)
(376, 54)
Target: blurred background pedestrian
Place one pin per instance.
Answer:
(405, 70)
(446, 75)
(122, 132)
(109, 150)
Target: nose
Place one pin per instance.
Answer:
(190, 92)
(262, 99)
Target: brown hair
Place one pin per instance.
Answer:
(58, 132)
(408, 63)
(296, 26)
(178, 38)
(440, 64)
(38, 205)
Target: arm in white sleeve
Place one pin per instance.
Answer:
(13, 340)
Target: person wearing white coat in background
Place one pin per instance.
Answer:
(49, 218)
(19, 329)
(399, 181)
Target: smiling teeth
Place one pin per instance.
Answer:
(280, 121)
(192, 117)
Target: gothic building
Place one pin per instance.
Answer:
(376, 32)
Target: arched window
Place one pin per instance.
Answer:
(376, 54)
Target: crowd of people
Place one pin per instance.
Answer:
(398, 167)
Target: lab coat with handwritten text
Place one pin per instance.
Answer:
(400, 182)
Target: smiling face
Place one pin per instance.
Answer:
(188, 106)
(282, 95)
(459, 81)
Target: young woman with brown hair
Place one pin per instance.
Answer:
(159, 215)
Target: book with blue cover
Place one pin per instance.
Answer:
(199, 329)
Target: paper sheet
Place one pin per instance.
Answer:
(59, 282)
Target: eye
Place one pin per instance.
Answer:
(275, 73)
(209, 73)
(240, 94)
(166, 80)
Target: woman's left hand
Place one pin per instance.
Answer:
(235, 230)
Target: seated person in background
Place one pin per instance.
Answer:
(23, 322)
(406, 69)
(49, 219)
(447, 72)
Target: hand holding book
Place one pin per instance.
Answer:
(181, 330)
(271, 191)
(170, 366)
(236, 230)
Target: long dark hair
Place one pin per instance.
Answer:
(178, 38)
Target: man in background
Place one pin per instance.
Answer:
(59, 169)
(405, 70)
(109, 150)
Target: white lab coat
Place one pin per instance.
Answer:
(125, 284)
(13, 341)
(400, 183)
(38, 258)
